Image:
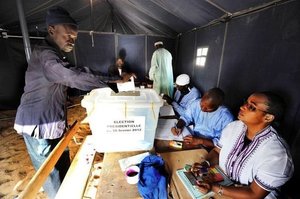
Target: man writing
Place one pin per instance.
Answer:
(209, 117)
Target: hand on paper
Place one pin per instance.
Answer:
(203, 187)
(126, 77)
(200, 169)
(192, 141)
(176, 131)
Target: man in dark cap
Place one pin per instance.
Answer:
(40, 117)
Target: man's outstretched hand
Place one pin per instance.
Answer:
(126, 77)
(167, 98)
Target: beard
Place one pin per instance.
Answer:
(68, 47)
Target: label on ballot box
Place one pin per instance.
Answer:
(123, 121)
(134, 127)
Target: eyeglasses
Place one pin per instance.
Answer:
(252, 108)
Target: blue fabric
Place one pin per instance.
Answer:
(207, 124)
(181, 107)
(153, 178)
(39, 150)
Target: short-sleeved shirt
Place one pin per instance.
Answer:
(208, 125)
(266, 159)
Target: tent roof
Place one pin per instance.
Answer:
(152, 17)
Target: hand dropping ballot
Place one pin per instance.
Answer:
(127, 86)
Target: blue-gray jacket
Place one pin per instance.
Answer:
(41, 111)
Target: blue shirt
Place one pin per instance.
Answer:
(41, 113)
(207, 124)
(181, 107)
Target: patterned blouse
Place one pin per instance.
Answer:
(266, 159)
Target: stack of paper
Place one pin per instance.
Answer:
(163, 130)
(166, 110)
(127, 86)
(133, 160)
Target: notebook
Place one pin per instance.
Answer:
(215, 174)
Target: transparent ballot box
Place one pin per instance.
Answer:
(124, 121)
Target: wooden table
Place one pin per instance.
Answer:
(112, 182)
(177, 160)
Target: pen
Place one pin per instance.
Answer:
(175, 126)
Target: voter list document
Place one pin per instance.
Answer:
(163, 130)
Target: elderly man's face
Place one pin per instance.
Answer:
(64, 36)
(183, 89)
(206, 104)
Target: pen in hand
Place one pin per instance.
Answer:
(176, 131)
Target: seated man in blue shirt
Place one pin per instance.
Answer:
(184, 95)
(209, 117)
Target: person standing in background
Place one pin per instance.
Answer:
(161, 71)
(40, 117)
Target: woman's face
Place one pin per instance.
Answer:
(254, 110)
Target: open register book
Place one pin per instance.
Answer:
(215, 174)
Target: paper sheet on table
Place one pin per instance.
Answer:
(132, 160)
(127, 86)
(163, 130)
(166, 110)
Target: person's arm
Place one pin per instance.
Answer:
(125, 78)
(168, 99)
(225, 118)
(111, 70)
(177, 130)
(55, 70)
(196, 141)
(253, 191)
(153, 67)
(211, 159)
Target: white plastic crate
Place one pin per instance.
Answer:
(122, 123)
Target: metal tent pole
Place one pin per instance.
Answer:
(24, 29)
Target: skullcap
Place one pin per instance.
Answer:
(182, 80)
(158, 43)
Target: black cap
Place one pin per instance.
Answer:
(58, 15)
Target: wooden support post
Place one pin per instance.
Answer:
(41, 175)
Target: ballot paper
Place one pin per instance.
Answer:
(132, 160)
(166, 110)
(127, 86)
(163, 130)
